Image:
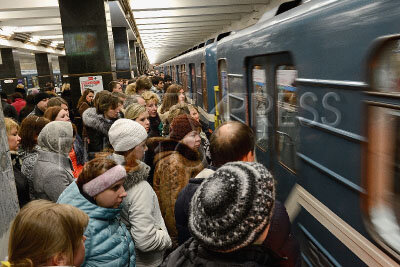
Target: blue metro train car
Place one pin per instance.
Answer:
(320, 86)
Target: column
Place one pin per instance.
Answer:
(62, 61)
(134, 64)
(122, 52)
(44, 68)
(88, 42)
(10, 69)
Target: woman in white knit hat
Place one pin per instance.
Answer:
(141, 212)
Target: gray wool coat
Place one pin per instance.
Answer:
(52, 174)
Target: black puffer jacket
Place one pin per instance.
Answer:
(191, 253)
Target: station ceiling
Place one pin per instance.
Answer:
(166, 27)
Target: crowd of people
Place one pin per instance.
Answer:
(132, 176)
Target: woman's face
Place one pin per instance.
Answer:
(62, 116)
(181, 96)
(192, 140)
(194, 114)
(112, 197)
(151, 108)
(89, 97)
(113, 113)
(13, 139)
(79, 253)
(143, 119)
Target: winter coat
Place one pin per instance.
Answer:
(97, 127)
(36, 111)
(28, 163)
(19, 104)
(193, 254)
(182, 205)
(82, 107)
(9, 111)
(21, 182)
(174, 164)
(155, 128)
(108, 242)
(53, 169)
(141, 213)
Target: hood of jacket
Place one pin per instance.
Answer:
(163, 147)
(96, 121)
(57, 136)
(73, 196)
(140, 173)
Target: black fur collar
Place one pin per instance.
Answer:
(160, 144)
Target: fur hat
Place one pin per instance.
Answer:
(125, 134)
(182, 125)
(39, 97)
(233, 207)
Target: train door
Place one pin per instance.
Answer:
(192, 74)
(273, 116)
(222, 95)
(184, 77)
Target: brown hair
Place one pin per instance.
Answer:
(105, 102)
(56, 101)
(42, 230)
(143, 83)
(29, 131)
(94, 168)
(112, 85)
(83, 97)
(16, 95)
(52, 112)
(232, 145)
(171, 97)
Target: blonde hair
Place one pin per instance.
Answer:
(10, 124)
(133, 111)
(42, 230)
(65, 86)
(131, 89)
(149, 96)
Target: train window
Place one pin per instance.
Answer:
(237, 98)
(260, 105)
(386, 68)
(203, 96)
(222, 96)
(177, 74)
(287, 127)
(382, 203)
(183, 77)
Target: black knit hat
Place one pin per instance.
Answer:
(233, 207)
(39, 97)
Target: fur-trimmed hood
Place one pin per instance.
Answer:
(96, 121)
(140, 173)
(163, 147)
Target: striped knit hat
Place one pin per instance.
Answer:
(233, 207)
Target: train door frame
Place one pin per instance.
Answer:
(192, 81)
(269, 155)
(204, 94)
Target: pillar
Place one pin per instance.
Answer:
(44, 68)
(122, 53)
(134, 64)
(10, 70)
(88, 42)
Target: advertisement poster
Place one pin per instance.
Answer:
(91, 82)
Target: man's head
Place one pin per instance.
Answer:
(158, 82)
(232, 141)
(58, 102)
(232, 209)
(41, 100)
(114, 86)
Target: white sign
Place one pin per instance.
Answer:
(91, 82)
(8, 81)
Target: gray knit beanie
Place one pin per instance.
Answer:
(125, 134)
(233, 207)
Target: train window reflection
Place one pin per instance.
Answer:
(260, 106)
(386, 68)
(383, 174)
(222, 96)
(204, 87)
(287, 127)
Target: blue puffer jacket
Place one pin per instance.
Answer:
(108, 242)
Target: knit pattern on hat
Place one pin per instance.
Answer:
(233, 207)
(182, 125)
(125, 134)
